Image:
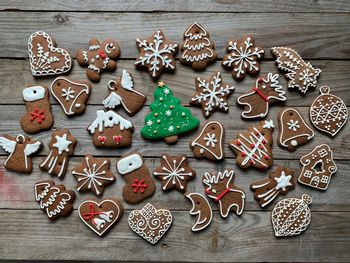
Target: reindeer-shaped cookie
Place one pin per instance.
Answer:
(256, 102)
(222, 190)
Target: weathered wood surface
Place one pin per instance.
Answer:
(314, 35)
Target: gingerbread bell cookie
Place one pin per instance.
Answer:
(291, 216)
(222, 190)
(211, 94)
(45, 58)
(302, 75)
(71, 95)
(138, 183)
(54, 200)
(201, 209)
(318, 167)
(167, 119)
(93, 175)
(256, 102)
(175, 172)
(61, 146)
(157, 54)
(100, 216)
(122, 92)
(99, 57)
(243, 57)
(197, 48)
(293, 130)
(109, 129)
(328, 113)
(253, 147)
(39, 116)
(280, 182)
(20, 148)
(209, 143)
(150, 223)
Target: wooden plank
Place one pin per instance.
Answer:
(11, 114)
(179, 6)
(28, 234)
(304, 32)
(15, 75)
(17, 190)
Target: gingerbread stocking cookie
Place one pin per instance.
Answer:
(20, 149)
(71, 95)
(221, 189)
(99, 57)
(138, 182)
(122, 93)
(38, 116)
(256, 102)
(61, 146)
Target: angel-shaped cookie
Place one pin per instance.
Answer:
(122, 93)
(20, 150)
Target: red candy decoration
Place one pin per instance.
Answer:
(102, 139)
(117, 138)
(102, 54)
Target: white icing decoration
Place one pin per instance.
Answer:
(283, 181)
(109, 48)
(94, 47)
(68, 93)
(129, 164)
(34, 93)
(77, 105)
(269, 125)
(94, 68)
(293, 125)
(62, 144)
(108, 119)
(294, 143)
(201, 222)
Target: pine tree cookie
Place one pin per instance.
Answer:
(157, 54)
(243, 57)
(254, 146)
(168, 118)
(197, 48)
(211, 94)
(201, 209)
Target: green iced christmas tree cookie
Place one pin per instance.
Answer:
(168, 118)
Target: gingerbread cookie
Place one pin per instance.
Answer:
(100, 216)
(20, 149)
(99, 57)
(72, 95)
(45, 58)
(39, 116)
(221, 189)
(201, 209)
(291, 216)
(328, 113)
(209, 143)
(243, 57)
(138, 183)
(175, 172)
(256, 102)
(61, 146)
(280, 182)
(109, 129)
(122, 93)
(197, 48)
(150, 223)
(293, 130)
(55, 200)
(168, 118)
(253, 147)
(302, 75)
(211, 94)
(157, 54)
(93, 175)
(318, 167)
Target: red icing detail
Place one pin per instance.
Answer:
(254, 155)
(256, 133)
(218, 198)
(243, 154)
(117, 138)
(238, 143)
(251, 161)
(139, 186)
(102, 139)
(264, 141)
(252, 145)
(260, 147)
(261, 94)
(207, 191)
(266, 157)
(89, 215)
(37, 114)
(102, 54)
(260, 80)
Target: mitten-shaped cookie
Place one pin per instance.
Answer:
(38, 116)
(99, 57)
(138, 182)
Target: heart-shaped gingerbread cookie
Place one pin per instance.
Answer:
(150, 223)
(45, 58)
(100, 217)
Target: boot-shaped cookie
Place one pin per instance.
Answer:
(38, 116)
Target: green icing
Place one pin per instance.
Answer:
(167, 117)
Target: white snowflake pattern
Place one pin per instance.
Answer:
(149, 123)
(68, 93)
(293, 125)
(156, 53)
(171, 128)
(210, 140)
(306, 76)
(166, 91)
(168, 113)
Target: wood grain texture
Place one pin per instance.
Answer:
(179, 6)
(314, 35)
(15, 75)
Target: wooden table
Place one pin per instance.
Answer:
(319, 30)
